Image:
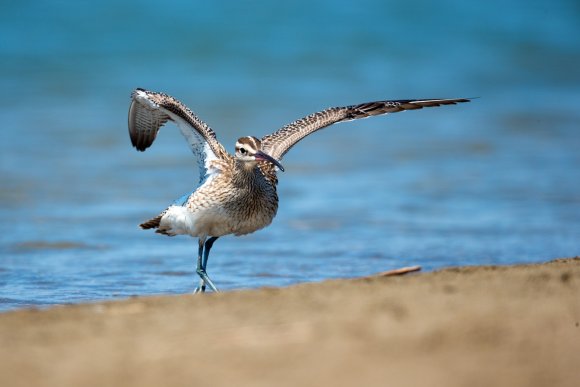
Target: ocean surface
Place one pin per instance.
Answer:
(494, 181)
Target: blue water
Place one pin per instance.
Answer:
(495, 181)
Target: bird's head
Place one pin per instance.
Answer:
(249, 151)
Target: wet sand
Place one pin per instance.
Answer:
(470, 326)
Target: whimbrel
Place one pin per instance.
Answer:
(236, 193)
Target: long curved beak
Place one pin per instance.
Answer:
(259, 155)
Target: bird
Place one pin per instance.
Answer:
(236, 194)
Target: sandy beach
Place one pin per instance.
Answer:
(469, 326)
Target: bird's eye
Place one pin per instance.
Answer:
(243, 151)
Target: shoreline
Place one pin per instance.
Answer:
(475, 325)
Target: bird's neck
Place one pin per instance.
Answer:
(254, 174)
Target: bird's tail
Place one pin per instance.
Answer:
(151, 223)
(155, 223)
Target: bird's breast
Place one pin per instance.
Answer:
(231, 205)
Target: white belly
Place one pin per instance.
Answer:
(212, 221)
(202, 223)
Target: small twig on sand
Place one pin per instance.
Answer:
(401, 271)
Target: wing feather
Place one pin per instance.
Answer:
(280, 142)
(149, 111)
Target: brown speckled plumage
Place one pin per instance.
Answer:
(237, 193)
(280, 142)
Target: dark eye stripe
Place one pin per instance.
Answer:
(251, 142)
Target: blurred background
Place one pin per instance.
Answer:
(495, 181)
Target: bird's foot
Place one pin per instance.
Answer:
(205, 280)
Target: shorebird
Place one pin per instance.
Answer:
(236, 193)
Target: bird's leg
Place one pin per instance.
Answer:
(204, 248)
(207, 248)
(201, 287)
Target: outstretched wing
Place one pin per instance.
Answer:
(149, 111)
(280, 142)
